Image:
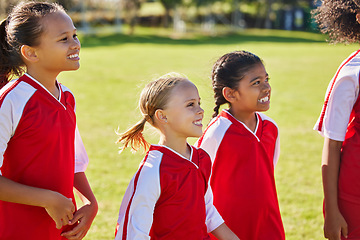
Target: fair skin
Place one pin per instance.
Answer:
(57, 51)
(335, 225)
(181, 119)
(251, 95)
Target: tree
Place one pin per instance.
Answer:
(169, 5)
(132, 8)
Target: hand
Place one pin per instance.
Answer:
(84, 217)
(59, 208)
(335, 226)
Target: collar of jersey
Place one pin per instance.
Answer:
(244, 125)
(173, 151)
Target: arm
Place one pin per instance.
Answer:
(224, 233)
(335, 224)
(138, 204)
(86, 214)
(57, 206)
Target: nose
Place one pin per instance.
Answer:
(266, 87)
(201, 111)
(76, 44)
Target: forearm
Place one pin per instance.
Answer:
(330, 172)
(224, 233)
(11, 191)
(83, 190)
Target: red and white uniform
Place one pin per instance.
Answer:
(340, 121)
(38, 141)
(243, 175)
(169, 198)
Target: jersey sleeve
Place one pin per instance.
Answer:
(12, 104)
(81, 157)
(213, 136)
(5, 128)
(341, 99)
(277, 150)
(137, 207)
(213, 218)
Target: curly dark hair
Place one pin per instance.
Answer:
(338, 19)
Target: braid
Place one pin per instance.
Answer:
(227, 71)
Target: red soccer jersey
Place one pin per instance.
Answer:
(340, 121)
(37, 136)
(243, 175)
(169, 198)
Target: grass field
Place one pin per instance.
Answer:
(114, 69)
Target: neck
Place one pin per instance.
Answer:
(248, 118)
(47, 80)
(178, 145)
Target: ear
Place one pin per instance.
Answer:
(160, 116)
(358, 17)
(229, 94)
(29, 53)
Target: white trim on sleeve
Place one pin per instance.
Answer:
(141, 199)
(81, 157)
(11, 111)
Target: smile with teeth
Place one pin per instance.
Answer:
(73, 56)
(198, 122)
(264, 99)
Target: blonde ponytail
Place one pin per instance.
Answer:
(154, 96)
(134, 137)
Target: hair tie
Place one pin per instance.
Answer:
(147, 118)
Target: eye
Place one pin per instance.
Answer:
(267, 79)
(256, 82)
(190, 104)
(63, 39)
(75, 35)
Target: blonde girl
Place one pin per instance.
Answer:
(169, 196)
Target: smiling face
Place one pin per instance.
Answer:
(59, 46)
(253, 91)
(183, 112)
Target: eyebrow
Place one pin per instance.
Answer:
(192, 99)
(267, 75)
(66, 32)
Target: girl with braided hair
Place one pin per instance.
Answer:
(243, 145)
(169, 196)
(339, 124)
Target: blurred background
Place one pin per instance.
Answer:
(186, 15)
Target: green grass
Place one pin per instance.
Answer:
(114, 69)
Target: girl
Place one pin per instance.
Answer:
(169, 196)
(339, 125)
(243, 145)
(39, 141)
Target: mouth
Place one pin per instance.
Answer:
(264, 99)
(198, 123)
(73, 56)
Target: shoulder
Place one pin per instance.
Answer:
(17, 92)
(217, 128)
(200, 152)
(269, 125)
(349, 69)
(266, 118)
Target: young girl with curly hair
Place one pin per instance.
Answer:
(339, 124)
